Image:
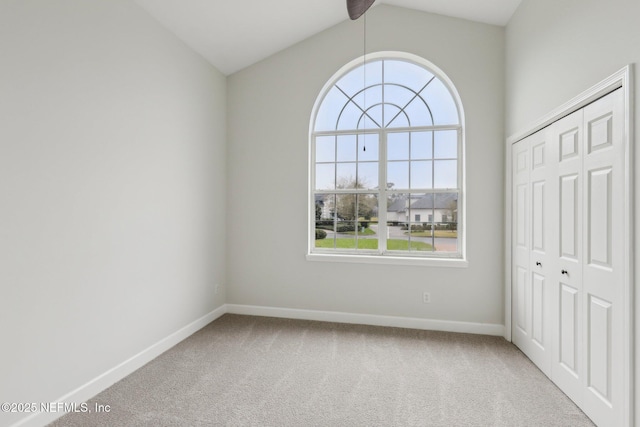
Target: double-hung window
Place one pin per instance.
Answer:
(387, 163)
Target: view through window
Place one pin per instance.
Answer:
(386, 162)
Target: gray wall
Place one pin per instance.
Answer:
(269, 107)
(112, 191)
(555, 50)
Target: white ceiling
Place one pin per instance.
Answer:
(233, 34)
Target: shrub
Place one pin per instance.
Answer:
(344, 228)
(320, 234)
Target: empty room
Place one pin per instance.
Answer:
(319, 213)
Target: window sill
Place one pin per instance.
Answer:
(389, 259)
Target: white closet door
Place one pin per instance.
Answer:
(566, 206)
(532, 309)
(569, 254)
(603, 259)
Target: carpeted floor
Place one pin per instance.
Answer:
(258, 371)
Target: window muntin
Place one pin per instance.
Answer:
(384, 155)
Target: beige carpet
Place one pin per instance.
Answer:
(258, 371)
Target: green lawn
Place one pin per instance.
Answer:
(366, 232)
(392, 244)
(439, 233)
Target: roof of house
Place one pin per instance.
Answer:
(429, 201)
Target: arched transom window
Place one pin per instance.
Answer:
(386, 154)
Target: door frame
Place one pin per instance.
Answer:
(620, 80)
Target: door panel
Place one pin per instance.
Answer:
(569, 231)
(537, 221)
(569, 309)
(521, 297)
(599, 215)
(538, 306)
(599, 370)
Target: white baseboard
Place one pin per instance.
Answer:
(370, 319)
(113, 375)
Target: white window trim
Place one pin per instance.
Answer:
(382, 256)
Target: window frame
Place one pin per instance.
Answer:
(382, 255)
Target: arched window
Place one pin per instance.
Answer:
(386, 161)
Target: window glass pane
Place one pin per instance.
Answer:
(346, 148)
(346, 207)
(372, 119)
(406, 73)
(446, 216)
(395, 117)
(367, 175)
(398, 95)
(421, 174)
(349, 117)
(324, 224)
(370, 96)
(421, 145)
(346, 175)
(397, 205)
(438, 233)
(405, 231)
(345, 235)
(325, 208)
(325, 149)
(325, 176)
(367, 242)
(329, 109)
(441, 103)
(354, 80)
(324, 239)
(446, 144)
(419, 114)
(350, 230)
(368, 147)
(367, 208)
(445, 174)
(398, 146)
(398, 174)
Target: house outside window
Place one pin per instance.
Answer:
(387, 149)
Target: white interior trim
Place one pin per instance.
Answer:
(369, 319)
(115, 374)
(621, 79)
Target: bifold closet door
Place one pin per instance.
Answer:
(532, 308)
(566, 201)
(588, 350)
(603, 259)
(568, 255)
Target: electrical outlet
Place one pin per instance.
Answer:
(426, 298)
(216, 288)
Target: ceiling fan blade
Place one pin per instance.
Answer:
(357, 8)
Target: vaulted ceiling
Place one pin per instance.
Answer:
(233, 34)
